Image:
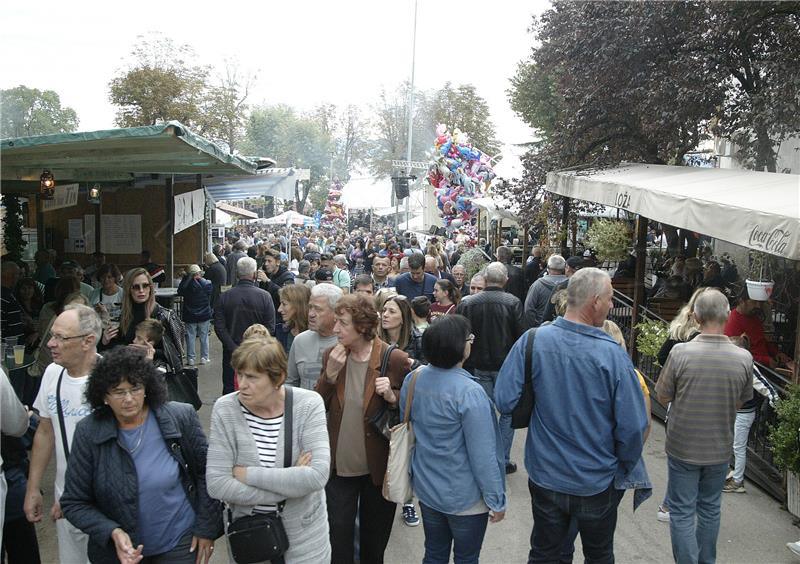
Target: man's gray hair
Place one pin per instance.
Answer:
(504, 254)
(89, 323)
(711, 306)
(481, 275)
(461, 266)
(246, 267)
(340, 259)
(495, 274)
(556, 262)
(240, 245)
(333, 293)
(584, 285)
(403, 263)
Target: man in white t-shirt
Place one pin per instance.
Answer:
(305, 356)
(73, 345)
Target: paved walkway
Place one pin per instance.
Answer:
(754, 526)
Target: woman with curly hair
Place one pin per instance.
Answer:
(354, 392)
(138, 304)
(136, 480)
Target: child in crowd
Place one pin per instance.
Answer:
(148, 338)
(421, 311)
(255, 330)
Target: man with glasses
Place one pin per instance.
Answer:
(61, 404)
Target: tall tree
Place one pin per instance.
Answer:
(29, 111)
(162, 83)
(225, 105)
(350, 139)
(293, 140)
(461, 107)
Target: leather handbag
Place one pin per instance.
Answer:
(262, 536)
(385, 418)
(521, 415)
(182, 387)
(397, 480)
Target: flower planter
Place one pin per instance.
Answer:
(759, 291)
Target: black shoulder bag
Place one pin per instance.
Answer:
(386, 417)
(521, 415)
(262, 536)
(60, 411)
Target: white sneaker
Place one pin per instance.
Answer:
(663, 515)
(190, 362)
(794, 547)
(204, 360)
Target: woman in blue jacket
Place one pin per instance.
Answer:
(457, 467)
(136, 479)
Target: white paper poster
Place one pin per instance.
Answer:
(75, 229)
(88, 233)
(64, 197)
(121, 234)
(189, 209)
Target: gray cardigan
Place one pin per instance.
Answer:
(305, 515)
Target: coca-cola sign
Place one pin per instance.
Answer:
(772, 241)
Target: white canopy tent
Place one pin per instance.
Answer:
(758, 210)
(289, 218)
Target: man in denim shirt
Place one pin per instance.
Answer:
(588, 422)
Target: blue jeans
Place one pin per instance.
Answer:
(192, 331)
(694, 492)
(553, 513)
(487, 378)
(464, 532)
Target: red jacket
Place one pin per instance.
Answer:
(761, 349)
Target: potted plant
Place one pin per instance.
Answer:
(785, 439)
(759, 279)
(610, 239)
(473, 260)
(650, 337)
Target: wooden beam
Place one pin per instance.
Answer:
(638, 289)
(169, 201)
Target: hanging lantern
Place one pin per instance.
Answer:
(93, 195)
(47, 185)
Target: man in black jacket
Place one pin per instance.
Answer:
(516, 278)
(217, 275)
(272, 278)
(237, 309)
(239, 251)
(496, 318)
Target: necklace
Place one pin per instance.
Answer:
(139, 437)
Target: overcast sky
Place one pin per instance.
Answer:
(304, 52)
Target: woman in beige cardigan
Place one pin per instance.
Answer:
(245, 467)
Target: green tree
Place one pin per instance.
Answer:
(162, 83)
(224, 108)
(13, 243)
(29, 111)
(293, 140)
(461, 107)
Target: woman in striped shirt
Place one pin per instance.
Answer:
(245, 467)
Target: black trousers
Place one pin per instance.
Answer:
(346, 496)
(20, 545)
(227, 372)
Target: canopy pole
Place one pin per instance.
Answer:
(638, 289)
(565, 227)
(203, 225)
(796, 374)
(169, 201)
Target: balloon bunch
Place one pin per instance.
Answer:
(459, 173)
(334, 209)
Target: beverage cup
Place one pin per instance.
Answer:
(11, 341)
(10, 356)
(19, 354)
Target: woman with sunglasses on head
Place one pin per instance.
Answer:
(397, 328)
(456, 448)
(138, 304)
(136, 480)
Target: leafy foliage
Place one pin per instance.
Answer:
(29, 111)
(12, 228)
(650, 337)
(610, 239)
(784, 434)
(473, 260)
(161, 84)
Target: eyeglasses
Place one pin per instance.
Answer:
(133, 392)
(140, 286)
(471, 338)
(61, 338)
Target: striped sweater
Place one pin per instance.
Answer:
(232, 443)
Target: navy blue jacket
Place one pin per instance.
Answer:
(406, 286)
(196, 294)
(101, 485)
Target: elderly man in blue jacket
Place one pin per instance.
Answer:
(587, 426)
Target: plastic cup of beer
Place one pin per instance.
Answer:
(19, 354)
(10, 355)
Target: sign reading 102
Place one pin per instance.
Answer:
(622, 200)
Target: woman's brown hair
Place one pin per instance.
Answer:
(297, 295)
(362, 311)
(126, 316)
(261, 354)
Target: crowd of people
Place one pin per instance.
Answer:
(325, 339)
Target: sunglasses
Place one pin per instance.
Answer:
(137, 287)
